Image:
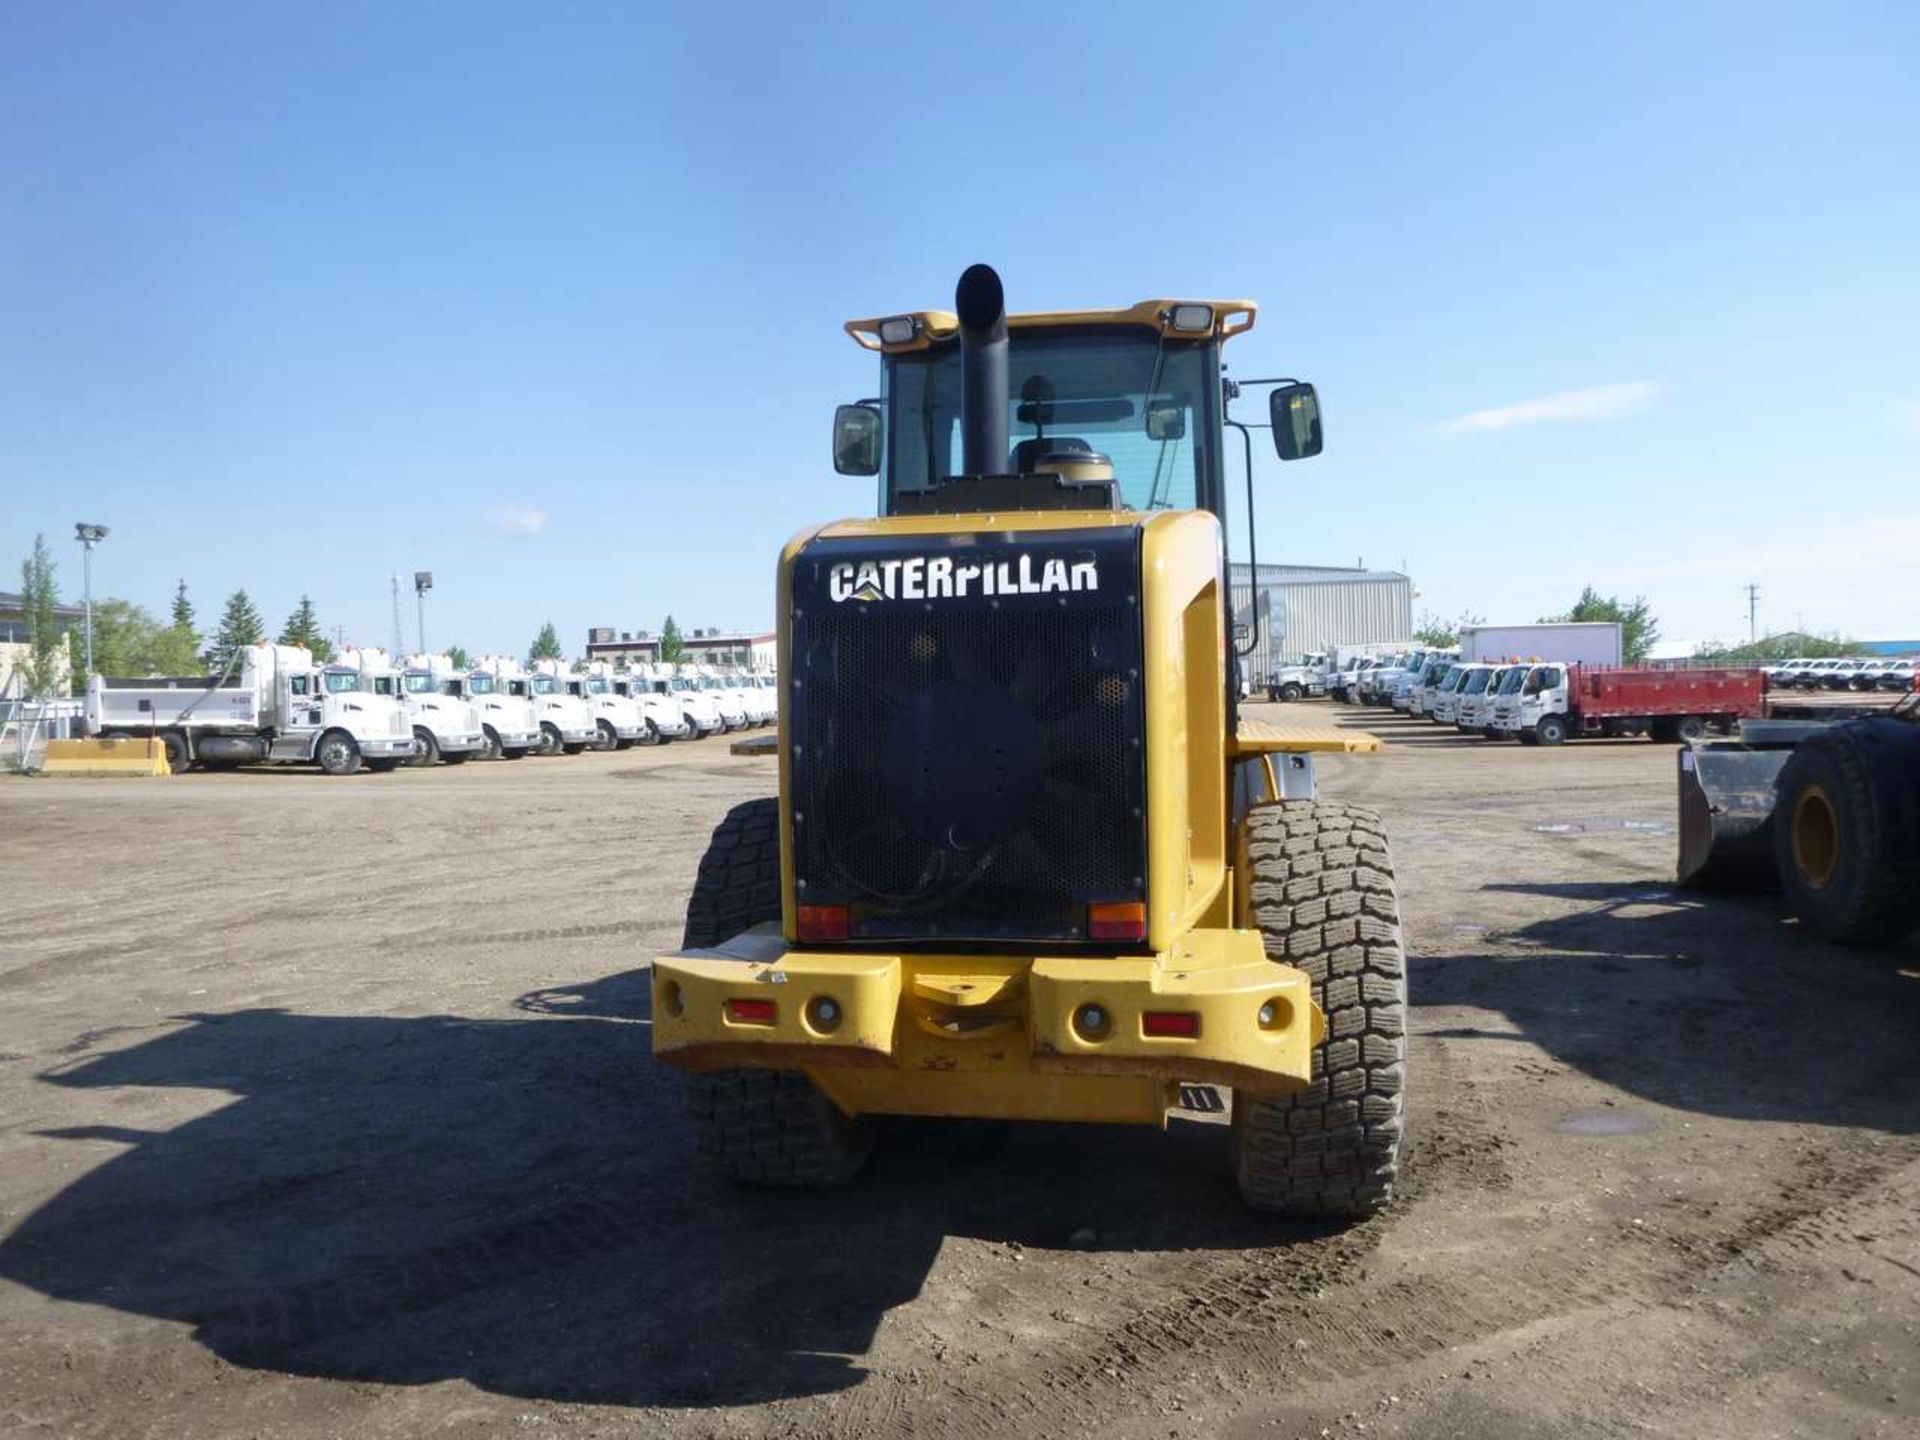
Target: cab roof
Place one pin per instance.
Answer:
(1230, 318)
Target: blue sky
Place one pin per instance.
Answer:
(548, 301)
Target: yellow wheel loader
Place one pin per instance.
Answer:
(1027, 862)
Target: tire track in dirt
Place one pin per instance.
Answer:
(1254, 1311)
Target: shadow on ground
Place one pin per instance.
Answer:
(516, 1203)
(1706, 1003)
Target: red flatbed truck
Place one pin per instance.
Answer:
(1550, 702)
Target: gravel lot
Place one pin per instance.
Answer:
(326, 1109)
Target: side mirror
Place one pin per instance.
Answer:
(1295, 412)
(1166, 422)
(856, 440)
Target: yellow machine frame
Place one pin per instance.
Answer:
(1007, 1036)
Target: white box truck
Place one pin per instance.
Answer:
(1571, 642)
(272, 705)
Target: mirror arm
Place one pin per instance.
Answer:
(1253, 553)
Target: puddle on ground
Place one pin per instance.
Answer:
(1595, 827)
(1604, 1122)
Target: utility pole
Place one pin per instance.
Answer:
(88, 536)
(399, 639)
(422, 582)
(1753, 612)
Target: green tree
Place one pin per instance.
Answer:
(459, 658)
(1432, 630)
(672, 649)
(126, 639)
(46, 667)
(177, 652)
(1638, 629)
(240, 626)
(546, 645)
(302, 629)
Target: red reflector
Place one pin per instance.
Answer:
(750, 1012)
(1124, 920)
(824, 922)
(1170, 1022)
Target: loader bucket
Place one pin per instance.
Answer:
(1726, 814)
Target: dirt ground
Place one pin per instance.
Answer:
(326, 1109)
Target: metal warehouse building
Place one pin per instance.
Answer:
(1304, 608)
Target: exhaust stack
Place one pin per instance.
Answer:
(981, 305)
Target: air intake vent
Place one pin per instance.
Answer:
(967, 731)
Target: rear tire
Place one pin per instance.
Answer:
(573, 747)
(175, 744)
(516, 753)
(382, 765)
(1322, 895)
(1836, 841)
(1690, 728)
(760, 1127)
(458, 757)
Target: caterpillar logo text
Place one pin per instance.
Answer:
(937, 577)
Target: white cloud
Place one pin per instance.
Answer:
(1596, 402)
(1906, 414)
(518, 519)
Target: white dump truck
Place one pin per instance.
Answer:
(665, 719)
(566, 723)
(443, 728)
(502, 691)
(733, 714)
(273, 704)
(697, 707)
(618, 719)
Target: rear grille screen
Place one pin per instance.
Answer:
(968, 757)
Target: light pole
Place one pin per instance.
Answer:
(88, 536)
(422, 582)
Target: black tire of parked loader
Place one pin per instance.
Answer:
(760, 1127)
(1830, 824)
(1322, 895)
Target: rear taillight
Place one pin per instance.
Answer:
(1181, 1023)
(1125, 920)
(751, 1012)
(825, 922)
